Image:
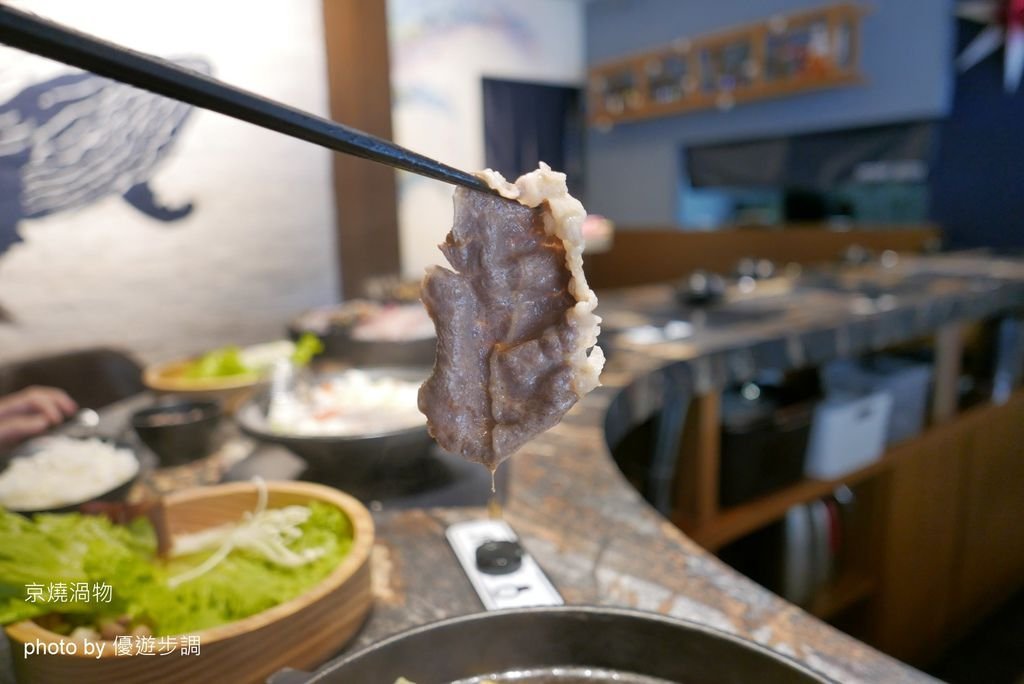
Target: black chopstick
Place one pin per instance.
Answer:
(49, 39)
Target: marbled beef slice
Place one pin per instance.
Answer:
(514, 319)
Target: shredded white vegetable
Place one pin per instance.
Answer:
(261, 531)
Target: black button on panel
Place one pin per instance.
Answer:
(499, 557)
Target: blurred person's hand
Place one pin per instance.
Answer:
(32, 411)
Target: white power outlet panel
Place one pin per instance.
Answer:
(524, 587)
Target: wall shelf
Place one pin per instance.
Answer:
(935, 544)
(730, 524)
(781, 56)
(737, 521)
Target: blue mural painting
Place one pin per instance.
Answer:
(70, 141)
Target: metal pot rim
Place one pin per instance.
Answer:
(573, 610)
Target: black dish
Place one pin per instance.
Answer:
(358, 463)
(600, 643)
(178, 432)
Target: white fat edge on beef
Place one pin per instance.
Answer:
(565, 221)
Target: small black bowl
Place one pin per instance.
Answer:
(178, 432)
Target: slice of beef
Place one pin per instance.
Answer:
(505, 338)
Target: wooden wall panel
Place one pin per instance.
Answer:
(952, 547)
(992, 560)
(359, 81)
(644, 256)
(920, 543)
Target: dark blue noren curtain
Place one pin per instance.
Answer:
(527, 123)
(978, 180)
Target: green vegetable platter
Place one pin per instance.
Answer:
(244, 559)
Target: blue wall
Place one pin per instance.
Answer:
(633, 171)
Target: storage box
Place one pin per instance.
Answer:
(847, 433)
(906, 380)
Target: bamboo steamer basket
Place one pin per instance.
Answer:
(301, 633)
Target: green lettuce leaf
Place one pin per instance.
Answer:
(223, 362)
(308, 346)
(66, 549)
(76, 548)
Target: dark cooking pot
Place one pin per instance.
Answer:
(339, 345)
(594, 644)
(366, 465)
